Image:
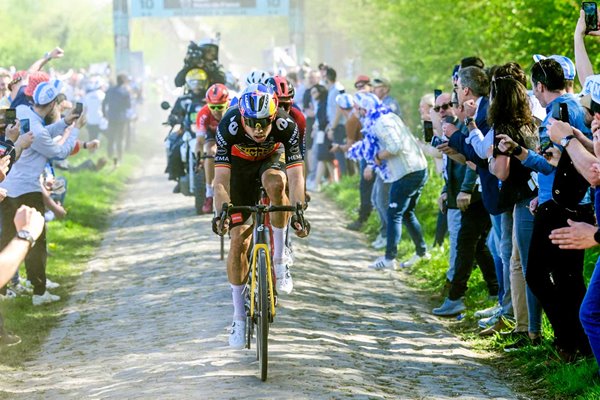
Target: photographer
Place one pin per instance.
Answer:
(555, 275)
(510, 114)
(468, 222)
(204, 56)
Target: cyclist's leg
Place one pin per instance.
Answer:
(274, 181)
(210, 149)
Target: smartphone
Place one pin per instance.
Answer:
(10, 116)
(436, 93)
(545, 144)
(560, 112)
(78, 108)
(427, 131)
(590, 10)
(3, 149)
(25, 126)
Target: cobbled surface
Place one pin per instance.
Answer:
(151, 314)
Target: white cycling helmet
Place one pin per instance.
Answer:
(257, 76)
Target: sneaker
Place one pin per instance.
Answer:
(8, 339)
(288, 256)
(450, 308)
(501, 325)
(10, 294)
(45, 298)
(488, 312)
(51, 285)
(355, 226)
(284, 279)
(379, 243)
(20, 289)
(207, 207)
(415, 259)
(237, 334)
(383, 263)
(489, 321)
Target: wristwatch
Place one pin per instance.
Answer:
(468, 120)
(25, 235)
(597, 236)
(564, 142)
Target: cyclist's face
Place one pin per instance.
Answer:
(259, 133)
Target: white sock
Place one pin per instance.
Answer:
(278, 244)
(239, 311)
(209, 190)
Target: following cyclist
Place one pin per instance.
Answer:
(207, 121)
(256, 141)
(184, 112)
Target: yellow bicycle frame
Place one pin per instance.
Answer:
(255, 278)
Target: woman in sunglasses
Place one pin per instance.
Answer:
(207, 121)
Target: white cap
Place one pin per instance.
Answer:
(45, 92)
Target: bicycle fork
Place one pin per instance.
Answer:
(256, 248)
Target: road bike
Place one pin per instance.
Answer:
(260, 293)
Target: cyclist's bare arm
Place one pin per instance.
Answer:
(296, 184)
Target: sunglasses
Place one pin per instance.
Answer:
(217, 107)
(444, 107)
(257, 123)
(360, 85)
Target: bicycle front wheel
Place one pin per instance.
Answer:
(262, 320)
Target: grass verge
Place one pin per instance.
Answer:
(534, 370)
(71, 243)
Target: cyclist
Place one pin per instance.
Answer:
(184, 113)
(217, 101)
(284, 91)
(256, 141)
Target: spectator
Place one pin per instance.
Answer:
(92, 100)
(381, 88)
(309, 109)
(336, 130)
(115, 105)
(322, 140)
(363, 83)
(29, 224)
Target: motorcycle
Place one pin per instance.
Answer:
(192, 182)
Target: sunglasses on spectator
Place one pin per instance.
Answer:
(258, 123)
(444, 107)
(360, 85)
(217, 107)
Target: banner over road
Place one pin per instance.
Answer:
(189, 8)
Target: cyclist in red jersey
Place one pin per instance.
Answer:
(284, 91)
(207, 122)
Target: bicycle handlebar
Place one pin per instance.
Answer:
(227, 209)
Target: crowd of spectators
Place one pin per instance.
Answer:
(42, 115)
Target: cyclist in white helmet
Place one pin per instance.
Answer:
(258, 76)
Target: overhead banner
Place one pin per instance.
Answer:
(190, 8)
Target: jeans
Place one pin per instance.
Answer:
(366, 189)
(524, 220)
(506, 220)
(555, 276)
(589, 313)
(453, 216)
(404, 194)
(474, 228)
(493, 245)
(380, 199)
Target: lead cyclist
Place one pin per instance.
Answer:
(256, 141)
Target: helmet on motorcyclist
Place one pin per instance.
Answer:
(196, 78)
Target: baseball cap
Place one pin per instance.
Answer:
(586, 101)
(361, 80)
(592, 87)
(35, 78)
(565, 62)
(45, 92)
(377, 82)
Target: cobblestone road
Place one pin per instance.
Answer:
(150, 319)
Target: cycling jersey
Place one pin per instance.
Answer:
(232, 140)
(206, 123)
(300, 120)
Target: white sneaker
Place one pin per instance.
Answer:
(379, 243)
(51, 285)
(285, 283)
(10, 295)
(45, 298)
(383, 263)
(288, 256)
(415, 259)
(237, 334)
(488, 312)
(20, 289)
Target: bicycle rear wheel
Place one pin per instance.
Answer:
(262, 320)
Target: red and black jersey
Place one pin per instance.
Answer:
(232, 140)
(206, 123)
